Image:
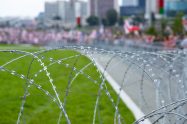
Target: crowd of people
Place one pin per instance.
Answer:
(117, 37)
(32, 36)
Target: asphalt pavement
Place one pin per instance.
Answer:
(150, 80)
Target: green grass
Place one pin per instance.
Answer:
(39, 108)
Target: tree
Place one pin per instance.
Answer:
(112, 17)
(92, 20)
(163, 25)
(177, 24)
(121, 21)
(104, 21)
(57, 18)
(139, 19)
(151, 31)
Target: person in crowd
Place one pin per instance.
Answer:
(183, 43)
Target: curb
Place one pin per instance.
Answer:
(123, 95)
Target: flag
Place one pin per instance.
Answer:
(127, 26)
(130, 28)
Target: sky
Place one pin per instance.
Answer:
(21, 8)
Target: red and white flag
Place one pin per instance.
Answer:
(129, 27)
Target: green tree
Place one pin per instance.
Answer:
(57, 18)
(163, 25)
(177, 24)
(58, 22)
(92, 20)
(120, 20)
(112, 17)
(104, 21)
(151, 31)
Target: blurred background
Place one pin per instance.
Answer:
(155, 23)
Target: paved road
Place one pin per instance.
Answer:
(150, 87)
(117, 69)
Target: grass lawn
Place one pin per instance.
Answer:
(39, 107)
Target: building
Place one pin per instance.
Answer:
(157, 7)
(172, 7)
(64, 10)
(69, 13)
(132, 10)
(100, 7)
(151, 7)
(165, 7)
(51, 10)
(81, 11)
(116, 5)
(129, 3)
(135, 7)
(142, 3)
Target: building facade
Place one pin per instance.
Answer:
(100, 7)
(64, 10)
(131, 11)
(67, 12)
(172, 7)
(129, 3)
(51, 10)
(148, 7)
(81, 11)
(151, 7)
(142, 3)
(135, 7)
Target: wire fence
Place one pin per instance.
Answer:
(154, 80)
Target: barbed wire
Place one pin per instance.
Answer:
(156, 81)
